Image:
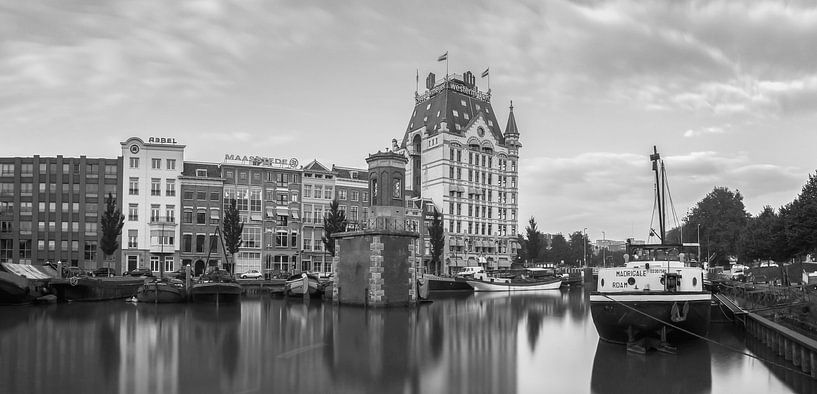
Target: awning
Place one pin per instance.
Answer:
(30, 271)
(270, 212)
(282, 211)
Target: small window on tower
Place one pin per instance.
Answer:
(457, 127)
(456, 114)
(463, 102)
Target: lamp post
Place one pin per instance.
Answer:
(584, 245)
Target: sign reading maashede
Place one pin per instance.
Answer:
(261, 161)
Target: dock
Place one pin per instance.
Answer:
(795, 347)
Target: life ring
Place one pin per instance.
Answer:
(73, 280)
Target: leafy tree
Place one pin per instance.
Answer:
(232, 228)
(522, 252)
(764, 237)
(722, 216)
(534, 240)
(801, 219)
(437, 234)
(559, 249)
(577, 246)
(333, 222)
(111, 221)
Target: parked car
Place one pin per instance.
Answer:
(251, 274)
(141, 272)
(104, 271)
(68, 272)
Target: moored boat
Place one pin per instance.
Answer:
(23, 283)
(525, 281)
(298, 285)
(162, 291)
(216, 286)
(658, 297)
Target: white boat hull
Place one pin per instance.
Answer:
(481, 285)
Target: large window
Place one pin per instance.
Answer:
(6, 169)
(90, 250)
(6, 250)
(242, 199)
(187, 243)
(155, 187)
(251, 237)
(200, 238)
(133, 238)
(133, 186)
(156, 164)
(133, 212)
(255, 200)
(170, 187)
(281, 239)
(134, 162)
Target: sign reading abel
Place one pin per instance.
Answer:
(261, 161)
(161, 140)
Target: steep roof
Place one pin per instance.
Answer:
(455, 103)
(315, 166)
(511, 129)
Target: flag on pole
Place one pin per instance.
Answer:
(485, 73)
(442, 57)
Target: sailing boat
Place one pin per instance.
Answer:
(216, 285)
(161, 289)
(658, 296)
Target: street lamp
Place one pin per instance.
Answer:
(584, 244)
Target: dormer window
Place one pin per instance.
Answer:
(202, 173)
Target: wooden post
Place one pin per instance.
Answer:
(795, 353)
(786, 349)
(805, 362)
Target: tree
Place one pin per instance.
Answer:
(333, 222)
(801, 219)
(522, 252)
(112, 221)
(232, 229)
(764, 237)
(722, 217)
(436, 233)
(559, 249)
(577, 246)
(534, 240)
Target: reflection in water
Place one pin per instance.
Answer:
(617, 371)
(484, 343)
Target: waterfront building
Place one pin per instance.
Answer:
(267, 194)
(318, 192)
(462, 161)
(201, 188)
(352, 193)
(50, 209)
(150, 202)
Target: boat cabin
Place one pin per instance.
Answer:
(662, 268)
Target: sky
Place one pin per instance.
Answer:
(726, 90)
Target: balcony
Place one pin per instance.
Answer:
(163, 221)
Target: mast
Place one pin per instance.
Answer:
(659, 189)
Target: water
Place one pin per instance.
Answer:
(482, 343)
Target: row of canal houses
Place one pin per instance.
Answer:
(50, 209)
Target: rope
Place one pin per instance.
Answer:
(712, 341)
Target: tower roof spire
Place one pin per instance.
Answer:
(510, 129)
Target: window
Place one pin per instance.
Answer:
(154, 213)
(134, 162)
(307, 191)
(201, 216)
(156, 164)
(188, 194)
(170, 187)
(187, 243)
(170, 213)
(353, 213)
(327, 193)
(214, 196)
(201, 195)
(155, 187)
(6, 169)
(281, 238)
(242, 200)
(90, 228)
(133, 188)
(171, 164)
(201, 173)
(365, 196)
(251, 237)
(187, 216)
(90, 250)
(341, 194)
(282, 220)
(133, 236)
(199, 243)
(133, 212)
(169, 263)
(214, 215)
(6, 189)
(255, 200)
(154, 263)
(26, 169)
(5, 226)
(283, 199)
(110, 171)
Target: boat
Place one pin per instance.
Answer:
(216, 286)
(23, 283)
(658, 297)
(527, 280)
(163, 290)
(299, 285)
(435, 286)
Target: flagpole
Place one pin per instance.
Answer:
(446, 65)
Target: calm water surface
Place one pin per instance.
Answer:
(482, 343)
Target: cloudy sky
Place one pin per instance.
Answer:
(726, 90)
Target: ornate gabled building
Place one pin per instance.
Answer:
(462, 160)
(318, 193)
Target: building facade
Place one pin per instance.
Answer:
(150, 203)
(318, 192)
(50, 209)
(201, 188)
(352, 193)
(462, 161)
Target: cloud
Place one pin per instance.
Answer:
(706, 130)
(615, 191)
